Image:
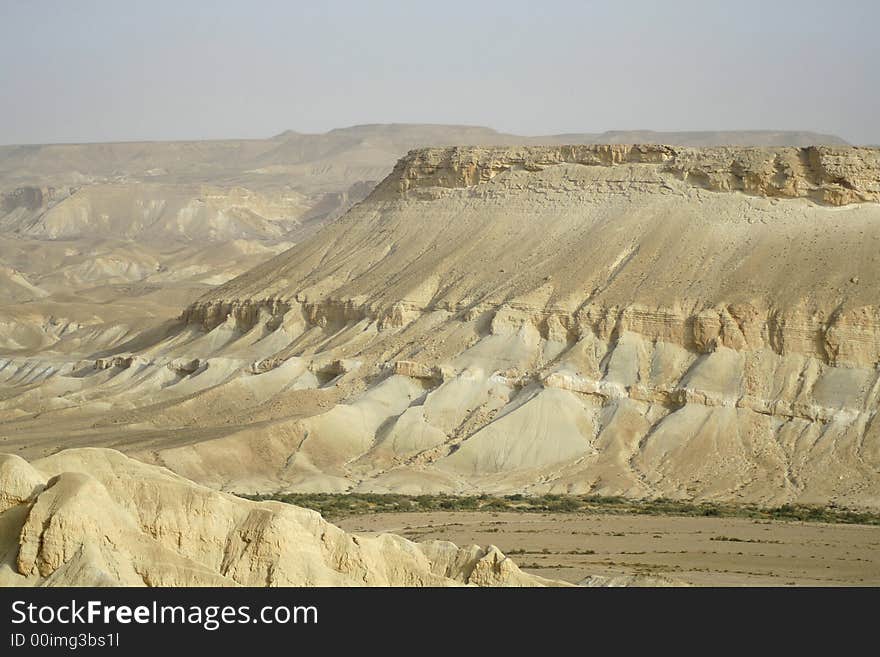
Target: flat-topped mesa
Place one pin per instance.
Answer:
(595, 240)
(579, 320)
(832, 175)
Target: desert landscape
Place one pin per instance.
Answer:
(440, 310)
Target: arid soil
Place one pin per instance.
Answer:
(697, 551)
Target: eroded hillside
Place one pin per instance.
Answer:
(633, 320)
(103, 240)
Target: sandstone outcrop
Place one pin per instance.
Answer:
(825, 174)
(121, 361)
(185, 367)
(94, 517)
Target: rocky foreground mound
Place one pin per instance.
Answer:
(623, 320)
(93, 517)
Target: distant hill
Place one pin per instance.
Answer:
(715, 138)
(318, 161)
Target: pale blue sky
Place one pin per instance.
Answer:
(96, 70)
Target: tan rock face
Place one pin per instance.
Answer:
(623, 320)
(106, 519)
(21, 483)
(184, 367)
(122, 362)
(416, 370)
(826, 174)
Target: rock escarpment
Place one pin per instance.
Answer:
(627, 320)
(826, 174)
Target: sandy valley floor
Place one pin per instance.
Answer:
(700, 551)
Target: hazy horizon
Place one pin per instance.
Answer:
(399, 123)
(97, 71)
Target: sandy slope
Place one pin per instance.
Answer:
(642, 321)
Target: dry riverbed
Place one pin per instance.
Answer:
(695, 550)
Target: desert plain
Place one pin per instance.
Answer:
(611, 549)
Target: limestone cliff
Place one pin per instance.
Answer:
(826, 174)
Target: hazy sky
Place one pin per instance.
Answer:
(89, 70)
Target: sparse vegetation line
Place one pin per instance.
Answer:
(341, 505)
